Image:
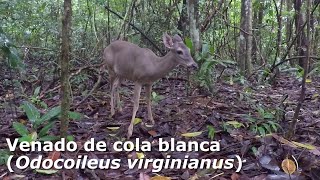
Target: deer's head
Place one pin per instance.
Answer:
(180, 50)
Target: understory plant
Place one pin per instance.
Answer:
(40, 125)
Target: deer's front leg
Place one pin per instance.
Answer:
(148, 94)
(136, 97)
(118, 96)
(113, 90)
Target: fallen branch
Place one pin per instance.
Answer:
(42, 94)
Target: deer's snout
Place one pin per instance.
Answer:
(194, 66)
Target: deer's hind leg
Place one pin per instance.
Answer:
(113, 85)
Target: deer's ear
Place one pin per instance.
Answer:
(167, 41)
(177, 38)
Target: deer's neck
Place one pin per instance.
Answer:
(165, 64)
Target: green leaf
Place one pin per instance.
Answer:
(267, 127)
(137, 121)
(32, 112)
(188, 43)
(235, 124)
(20, 129)
(4, 155)
(26, 138)
(14, 59)
(45, 129)
(262, 131)
(70, 138)
(34, 136)
(74, 115)
(50, 114)
(44, 105)
(268, 115)
(274, 125)
(211, 132)
(37, 91)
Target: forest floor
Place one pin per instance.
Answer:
(237, 116)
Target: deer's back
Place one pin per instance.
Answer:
(128, 60)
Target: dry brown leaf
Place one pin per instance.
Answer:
(160, 178)
(153, 133)
(54, 155)
(288, 166)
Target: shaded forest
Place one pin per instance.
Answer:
(242, 73)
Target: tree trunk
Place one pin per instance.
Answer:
(301, 40)
(245, 42)
(289, 28)
(192, 6)
(257, 23)
(182, 23)
(279, 31)
(64, 63)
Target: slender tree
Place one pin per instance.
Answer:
(64, 63)
(245, 43)
(192, 6)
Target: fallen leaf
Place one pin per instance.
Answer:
(46, 171)
(160, 178)
(113, 127)
(54, 155)
(307, 146)
(153, 133)
(308, 80)
(288, 166)
(140, 155)
(193, 134)
(137, 121)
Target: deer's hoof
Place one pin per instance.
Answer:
(152, 122)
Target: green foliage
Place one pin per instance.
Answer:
(35, 98)
(211, 132)
(32, 112)
(206, 74)
(265, 122)
(9, 51)
(4, 156)
(230, 125)
(156, 98)
(20, 129)
(46, 122)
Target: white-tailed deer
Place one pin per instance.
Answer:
(125, 60)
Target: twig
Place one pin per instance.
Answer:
(73, 74)
(293, 41)
(92, 90)
(134, 27)
(294, 122)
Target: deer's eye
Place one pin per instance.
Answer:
(179, 52)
